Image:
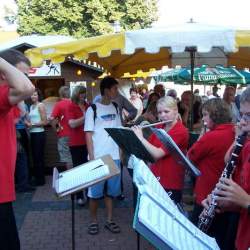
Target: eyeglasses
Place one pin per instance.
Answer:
(245, 117)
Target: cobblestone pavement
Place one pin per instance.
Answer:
(44, 222)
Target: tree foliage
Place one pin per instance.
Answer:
(83, 18)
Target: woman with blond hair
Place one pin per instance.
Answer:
(167, 170)
(77, 142)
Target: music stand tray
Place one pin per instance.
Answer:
(159, 220)
(127, 140)
(83, 176)
(76, 179)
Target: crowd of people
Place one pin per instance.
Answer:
(81, 137)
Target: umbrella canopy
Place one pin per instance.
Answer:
(207, 75)
(154, 47)
(246, 74)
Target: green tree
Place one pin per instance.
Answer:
(83, 18)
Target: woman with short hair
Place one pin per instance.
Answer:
(208, 156)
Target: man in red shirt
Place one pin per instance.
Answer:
(14, 87)
(230, 194)
(60, 122)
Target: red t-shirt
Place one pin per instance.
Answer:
(208, 155)
(76, 135)
(60, 111)
(243, 234)
(167, 170)
(8, 115)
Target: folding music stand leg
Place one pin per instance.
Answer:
(138, 240)
(73, 220)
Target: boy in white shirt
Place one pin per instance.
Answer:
(99, 143)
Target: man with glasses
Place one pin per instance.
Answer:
(236, 195)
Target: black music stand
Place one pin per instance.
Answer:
(127, 140)
(158, 219)
(90, 168)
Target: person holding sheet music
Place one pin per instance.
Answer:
(99, 143)
(208, 155)
(169, 172)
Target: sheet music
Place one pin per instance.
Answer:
(82, 175)
(143, 175)
(161, 216)
(169, 143)
(169, 229)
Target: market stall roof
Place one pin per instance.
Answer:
(34, 41)
(6, 36)
(154, 47)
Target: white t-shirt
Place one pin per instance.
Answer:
(106, 117)
(35, 117)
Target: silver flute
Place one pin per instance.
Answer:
(207, 215)
(146, 124)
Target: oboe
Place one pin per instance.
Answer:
(208, 215)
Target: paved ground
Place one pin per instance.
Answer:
(44, 222)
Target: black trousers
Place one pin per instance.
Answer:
(79, 156)
(223, 228)
(175, 195)
(37, 148)
(9, 239)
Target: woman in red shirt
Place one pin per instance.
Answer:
(208, 155)
(77, 142)
(167, 170)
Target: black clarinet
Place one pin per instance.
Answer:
(207, 216)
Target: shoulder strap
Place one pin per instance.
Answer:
(116, 107)
(93, 106)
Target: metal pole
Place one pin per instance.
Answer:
(192, 51)
(138, 240)
(73, 220)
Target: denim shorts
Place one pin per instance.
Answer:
(110, 187)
